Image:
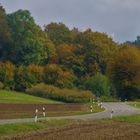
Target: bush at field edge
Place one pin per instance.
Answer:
(65, 95)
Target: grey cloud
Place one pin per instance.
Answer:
(119, 17)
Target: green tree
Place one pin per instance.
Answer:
(5, 35)
(52, 52)
(74, 34)
(29, 41)
(99, 84)
(58, 33)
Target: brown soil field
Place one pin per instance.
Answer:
(27, 110)
(93, 131)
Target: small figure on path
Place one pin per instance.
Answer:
(43, 109)
(111, 114)
(36, 115)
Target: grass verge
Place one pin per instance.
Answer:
(19, 128)
(128, 119)
(134, 104)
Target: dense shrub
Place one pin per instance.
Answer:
(108, 99)
(54, 75)
(66, 95)
(1, 85)
(37, 72)
(99, 84)
(7, 70)
(23, 78)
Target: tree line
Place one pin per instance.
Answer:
(65, 58)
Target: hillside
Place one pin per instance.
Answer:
(66, 58)
(17, 97)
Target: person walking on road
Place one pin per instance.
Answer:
(44, 113)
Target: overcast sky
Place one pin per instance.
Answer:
(119, 18)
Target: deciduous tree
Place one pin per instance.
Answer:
(125, 72)
(29, 44)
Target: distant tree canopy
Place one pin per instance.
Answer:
(29, 42)
(98, 48)
(53, 74)
(71, 58)
(66, 58)
(125, 72)
(5, 34)
(58, 33)
(7, 74)
(134, 43)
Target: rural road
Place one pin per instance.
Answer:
(120, 109)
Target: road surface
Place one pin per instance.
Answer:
(120, 109)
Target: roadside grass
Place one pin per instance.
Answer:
(10, 130)
(96, 108)
(134, 104)
(128, 119)
(17, 97)
(21, 128)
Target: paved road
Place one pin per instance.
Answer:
(120, 109)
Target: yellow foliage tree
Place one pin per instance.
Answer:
(125, 71)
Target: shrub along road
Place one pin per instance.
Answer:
(120, 109)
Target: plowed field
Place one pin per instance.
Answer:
(8, 111)
(94, 131)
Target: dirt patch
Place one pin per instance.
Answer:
(27, 110)
(94, 131)
(32, 107)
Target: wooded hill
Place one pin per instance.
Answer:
(65, 58)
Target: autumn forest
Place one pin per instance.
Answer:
(56, 58)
